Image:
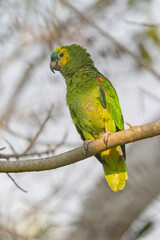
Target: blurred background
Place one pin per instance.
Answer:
(74, 202)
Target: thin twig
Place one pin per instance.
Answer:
(46, 152)
(142, 24)
(3, 148)
(39, 142)
(129, 125)
(10, 145)
(39, 131)
(22, 83)
(22, 155)
(120, 46)
(12, 179)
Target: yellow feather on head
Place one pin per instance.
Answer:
(62, 60)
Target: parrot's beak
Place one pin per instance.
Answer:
(54, 62)
(54, 66)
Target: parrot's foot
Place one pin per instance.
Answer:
(105, 137)
(85, 146)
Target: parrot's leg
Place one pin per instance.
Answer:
(109, 126)
(105, 137)
(88, 138)
(85, 146)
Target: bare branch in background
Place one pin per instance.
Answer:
(25, 78)
(123, 48)
(1, 149)
(50, 150)
(12, 179)
(10, 145)
(39, 131)
(94, 147)
(143, 24)
(17, 185)
(40, 142)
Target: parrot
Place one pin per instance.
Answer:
(94, 107)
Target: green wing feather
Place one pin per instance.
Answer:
(109, 99)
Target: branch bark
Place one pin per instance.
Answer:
(123, 137)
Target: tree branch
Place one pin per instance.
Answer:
(123, 137)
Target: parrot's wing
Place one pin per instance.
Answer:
(75, 120)
(109, 100)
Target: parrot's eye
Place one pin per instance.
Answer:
(61, 54)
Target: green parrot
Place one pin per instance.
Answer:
(94, 107)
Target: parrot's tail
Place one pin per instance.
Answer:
(115, 168)
(116, 181)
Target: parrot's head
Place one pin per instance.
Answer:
(69, 59)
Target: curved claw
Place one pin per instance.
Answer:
(85, 146)
(105, 137)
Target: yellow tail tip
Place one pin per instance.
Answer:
(116, 181)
